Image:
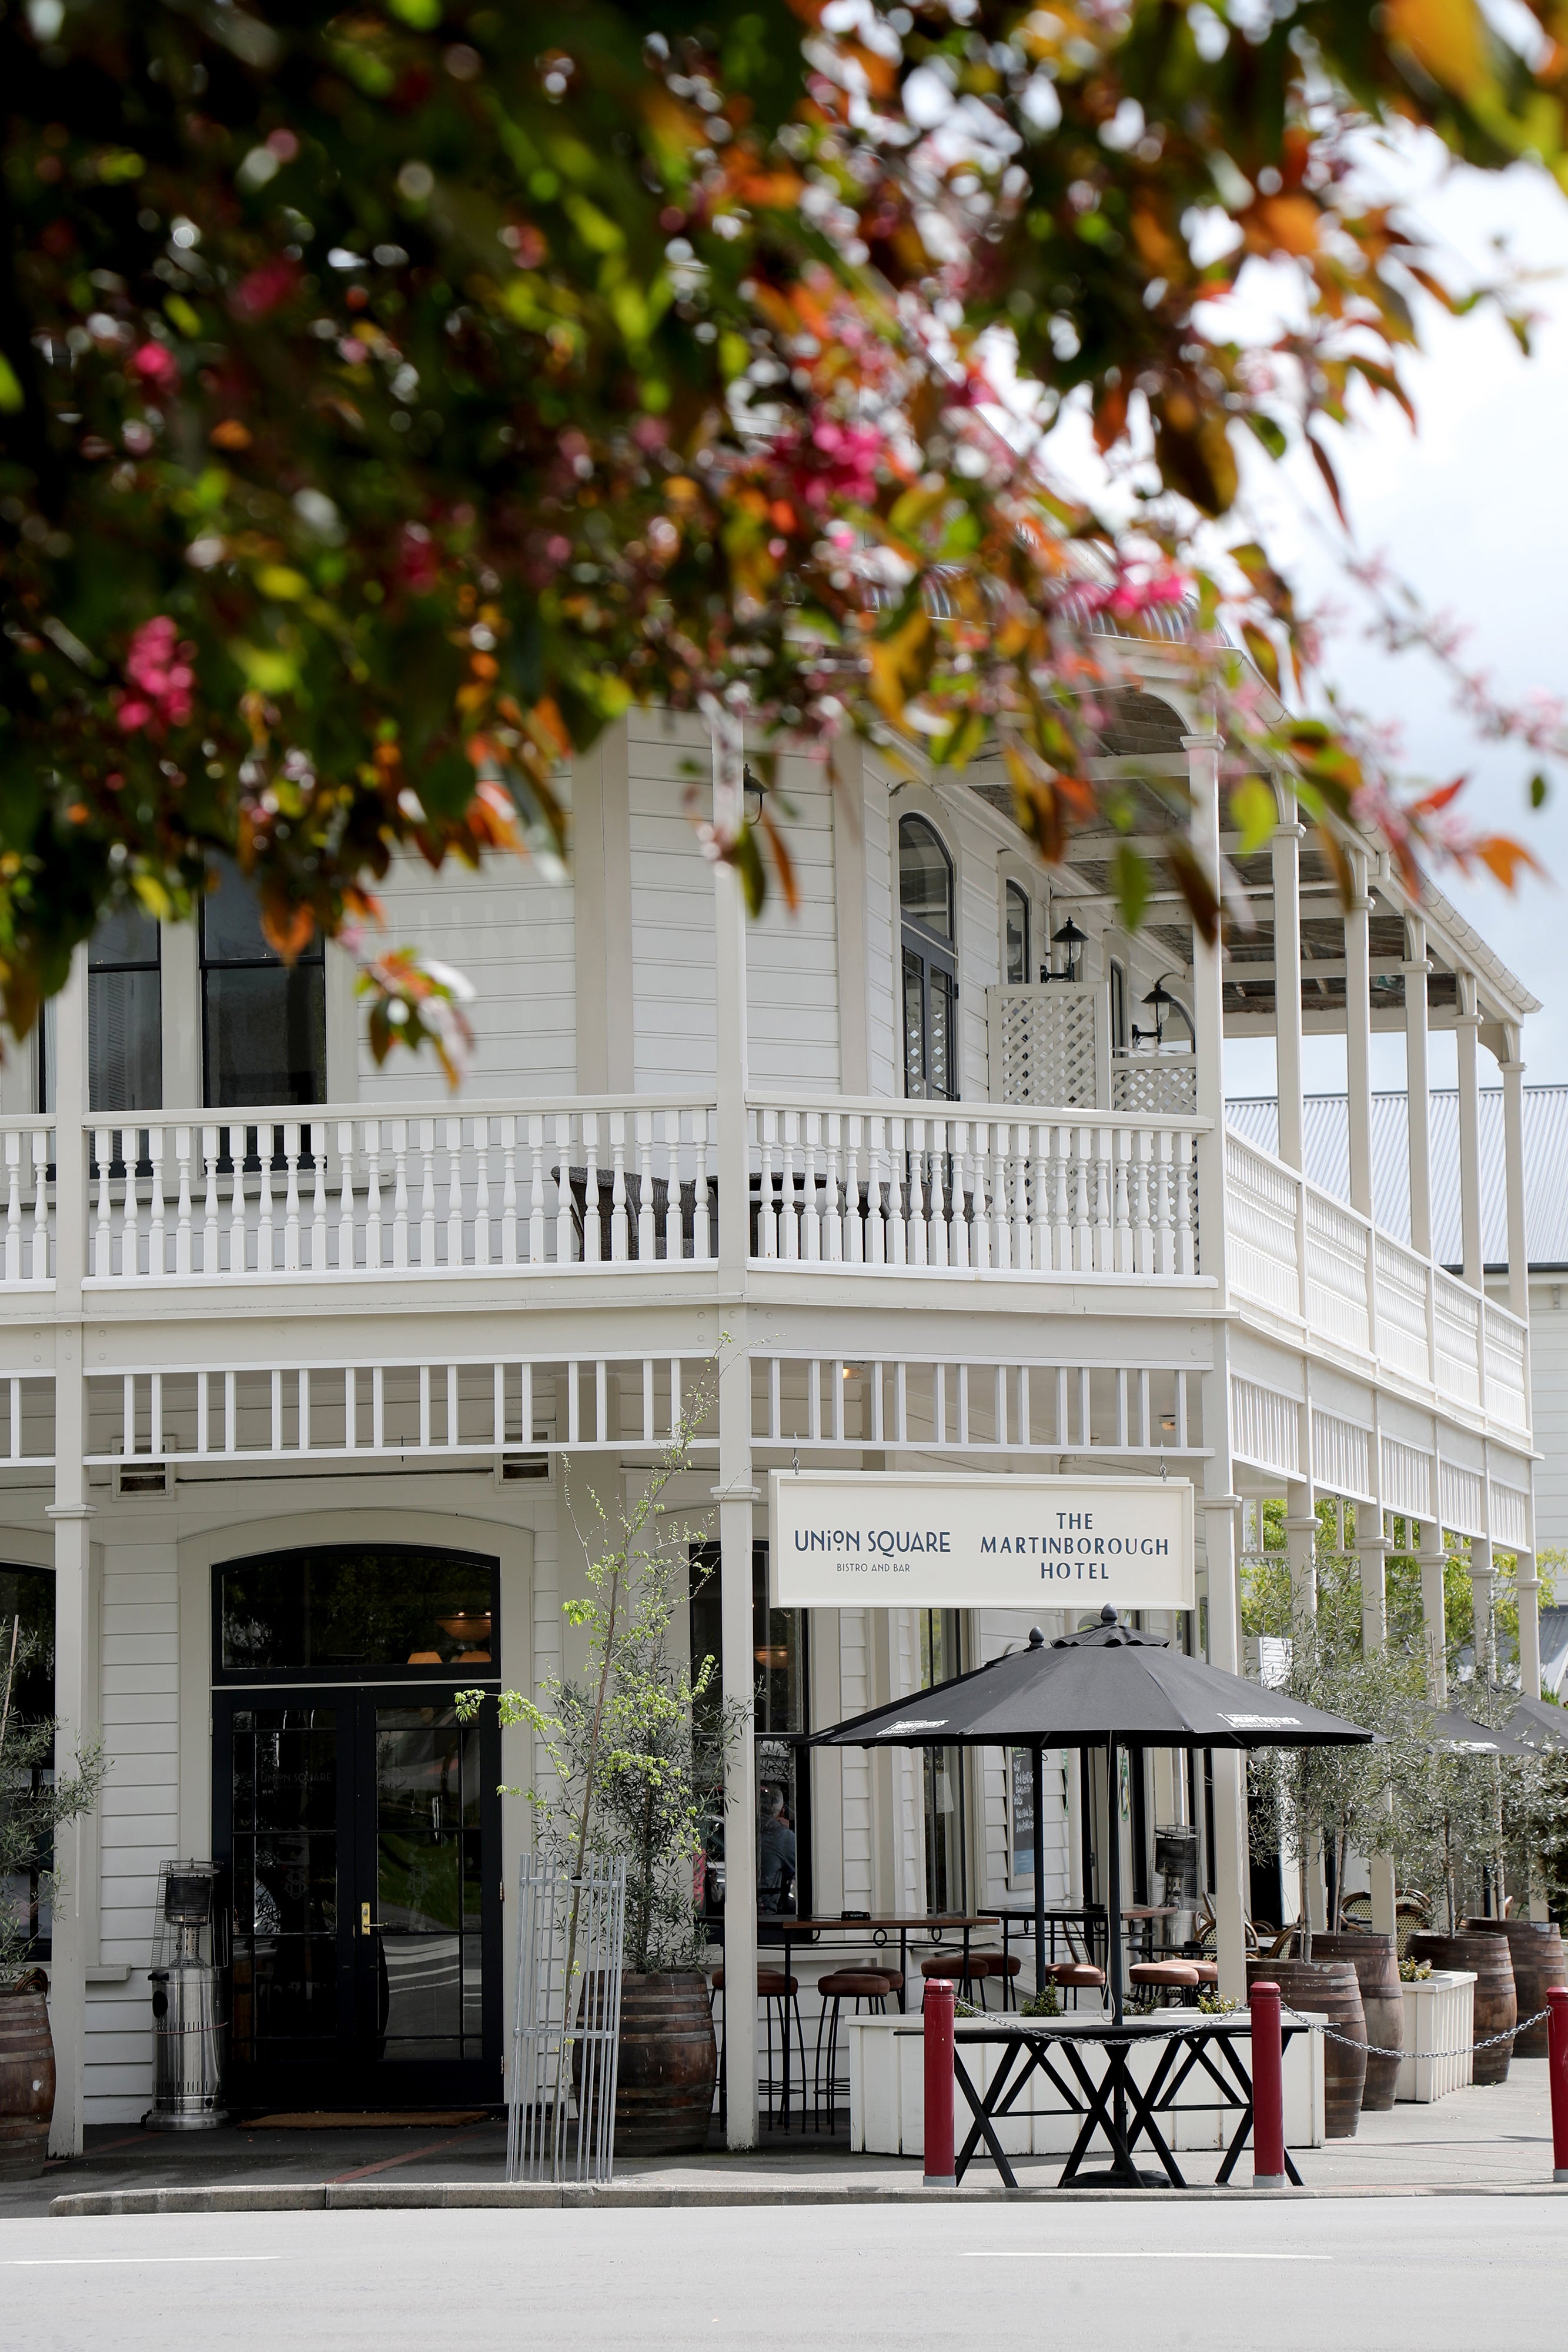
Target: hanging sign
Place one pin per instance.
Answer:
(878, 1538)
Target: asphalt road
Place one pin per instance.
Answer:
(1380, 2273)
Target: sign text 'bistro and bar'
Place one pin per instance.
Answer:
(885, 1541)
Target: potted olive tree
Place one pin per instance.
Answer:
(35, 1803)
(626, 1769)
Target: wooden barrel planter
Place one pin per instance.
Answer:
(1497, 2007)
(1376, 1964)
(1535, 1948)
(26, 2083)
(1331, 1988)
(668, 2065)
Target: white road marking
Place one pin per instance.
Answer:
(85, 2261)
(1127, 2254)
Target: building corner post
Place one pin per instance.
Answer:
(734, 1494)
(74, 1945)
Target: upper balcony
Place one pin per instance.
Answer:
(1091, 1206)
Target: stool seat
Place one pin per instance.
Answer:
(1076, 1972)
(1207, 1971)
(772, 1984)
(851, 1984)
(892, 1977)
(1002, 1964)
(952, 1964)
(1163, 1972)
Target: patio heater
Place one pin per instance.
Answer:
(189, 2024)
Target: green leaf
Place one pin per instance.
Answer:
(1253, 810)
(10, 390)
(1540, 792)
(1129, 878)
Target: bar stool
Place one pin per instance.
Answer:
(775, 1990)
(966, 1973)
(1003, 1968)
(862, 1986)
(1076, 1977)
(1166, 1979)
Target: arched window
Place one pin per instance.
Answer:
(1017, 939)
(930, 971)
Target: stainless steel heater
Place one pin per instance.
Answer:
(190, 2024)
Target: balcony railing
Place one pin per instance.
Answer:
(974, 1187)
(1306, 1256)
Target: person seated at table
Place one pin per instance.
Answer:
(775, 1854)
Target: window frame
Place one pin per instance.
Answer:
(312, 958)
(1011, 890)
(918, 938)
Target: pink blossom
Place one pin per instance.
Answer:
(266, 289)
(156, 365)
(159, 668)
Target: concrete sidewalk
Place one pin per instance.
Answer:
(1496, 2138)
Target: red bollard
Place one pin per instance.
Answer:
(1268, 2088)
(1557, 2076)
(937, 2017)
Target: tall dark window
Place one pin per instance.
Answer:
(124, 1019)
(28, 1692)
(930, 969)
(1119, 1005)
(125, 1014)
(1016, 941)
(264, 1022)
(781, 1704)
(947, 1826)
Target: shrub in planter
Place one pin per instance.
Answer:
(33, 1809)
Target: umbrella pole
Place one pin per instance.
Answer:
(1113, 1879)
(1037, 1792)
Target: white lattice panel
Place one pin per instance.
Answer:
(1044, 1045)
(1160, 1086)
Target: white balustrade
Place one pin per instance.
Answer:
(958, 1187)
(1431, 1328)
(28, 1146)
(196, 1197)
(1507, 1368)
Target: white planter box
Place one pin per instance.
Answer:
(887, 2094)
(1440, 2015)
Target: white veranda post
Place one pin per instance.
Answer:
(734, 1492)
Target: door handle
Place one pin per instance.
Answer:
(364, 1919)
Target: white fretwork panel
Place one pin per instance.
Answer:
(1044, 1045)
(1460, 1499)
(368, 1411)
(1341, 1455)
(1406, 1479)
(987, 1408)
(1163, 1086)
(1265, 1427)
(1510, 1515)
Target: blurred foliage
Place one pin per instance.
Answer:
(391, 396)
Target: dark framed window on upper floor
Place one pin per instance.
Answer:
(264, 1022)
(929, 969)
(1016, 940)
(124, 1019)
(1118, 1006)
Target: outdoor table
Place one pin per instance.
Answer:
(776, 1927)
(1114, 2104)
(1089, 1916)
(1144, 1915)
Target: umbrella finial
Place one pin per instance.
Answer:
(1107, 1615)
(1036, 1638)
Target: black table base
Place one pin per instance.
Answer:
(1115, 2106)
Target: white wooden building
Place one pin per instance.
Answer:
(304, 1358)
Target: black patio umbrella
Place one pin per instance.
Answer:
(1110, 1687)
(1453, 1731)
(1539, 1725)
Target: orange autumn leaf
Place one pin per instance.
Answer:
(1504, 856)
(1447, 37)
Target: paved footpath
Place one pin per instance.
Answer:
(1496, 2138)
(1360, 2275)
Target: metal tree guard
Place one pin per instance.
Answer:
(561, 2097)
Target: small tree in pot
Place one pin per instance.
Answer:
(35, 1805)
(623, 1777)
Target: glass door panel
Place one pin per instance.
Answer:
(287, 1832)
(428, 1899)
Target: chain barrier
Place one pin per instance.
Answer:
(1333, 2034)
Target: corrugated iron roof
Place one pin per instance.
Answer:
(1326, 1139)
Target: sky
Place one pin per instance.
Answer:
(1473, 510)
